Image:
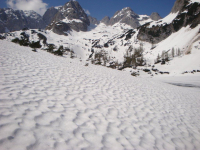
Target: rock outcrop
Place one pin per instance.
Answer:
(126, 15)
(155, 16)
(106, 20)
(178, 5)
(71, 16)
(188, 14)
(129, 17)
(13, 20)
(49, 15)
(93, 20)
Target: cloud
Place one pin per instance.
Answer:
(37, 5)
(87, 11)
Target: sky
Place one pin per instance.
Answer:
(96, 8)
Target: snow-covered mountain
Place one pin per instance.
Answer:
(184, 13)
(129, 17)
(14, 20)
(71, 16)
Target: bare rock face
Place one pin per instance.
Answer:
(2, 28)
(71, 16)
(189, 15)
(178, 5)
(93, 20)
(106, 20)
(155, 16)
(49, 15)
(13, 20)
(127, 16)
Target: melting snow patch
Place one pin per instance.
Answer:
(66, 20)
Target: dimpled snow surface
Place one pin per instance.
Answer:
(49, 102)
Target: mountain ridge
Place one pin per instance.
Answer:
(13, 20)
(55, 14)
(71, 16)
(129, 17)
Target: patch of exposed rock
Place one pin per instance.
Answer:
(71, 16)
(189, 14)
(14, 20)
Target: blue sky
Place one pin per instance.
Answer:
(102, 8)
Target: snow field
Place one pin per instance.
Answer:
(51, 102)
(167, 20)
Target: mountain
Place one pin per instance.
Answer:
(106, 20)
(49, 15)
(129, 17)
(115, 43)
(184, 13)
(126, 16)
(93, 20)
(13, 20)
(71, 16)
(178, 5)
(155, 16)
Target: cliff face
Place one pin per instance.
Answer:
(93, 20)
(106, 20)
(126, 16)
(13, 20)
(71, 16)
(178, 5)
(155, 16)
(188, 14)
(49, 15)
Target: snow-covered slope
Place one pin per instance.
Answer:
(116, 40)
(170, 45)
(167, 20)
(51, 102)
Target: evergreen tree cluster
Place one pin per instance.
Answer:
(134, 57)
(24, 41)
(166, 56)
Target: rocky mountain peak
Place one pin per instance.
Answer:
(93, 20)
(106, 20)
(13, 20)
(71, 16)
(73, 10)
(49, 15)
(31, 14)
(125, 12)
(129, 17)
(178, 5)
(155, 16)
